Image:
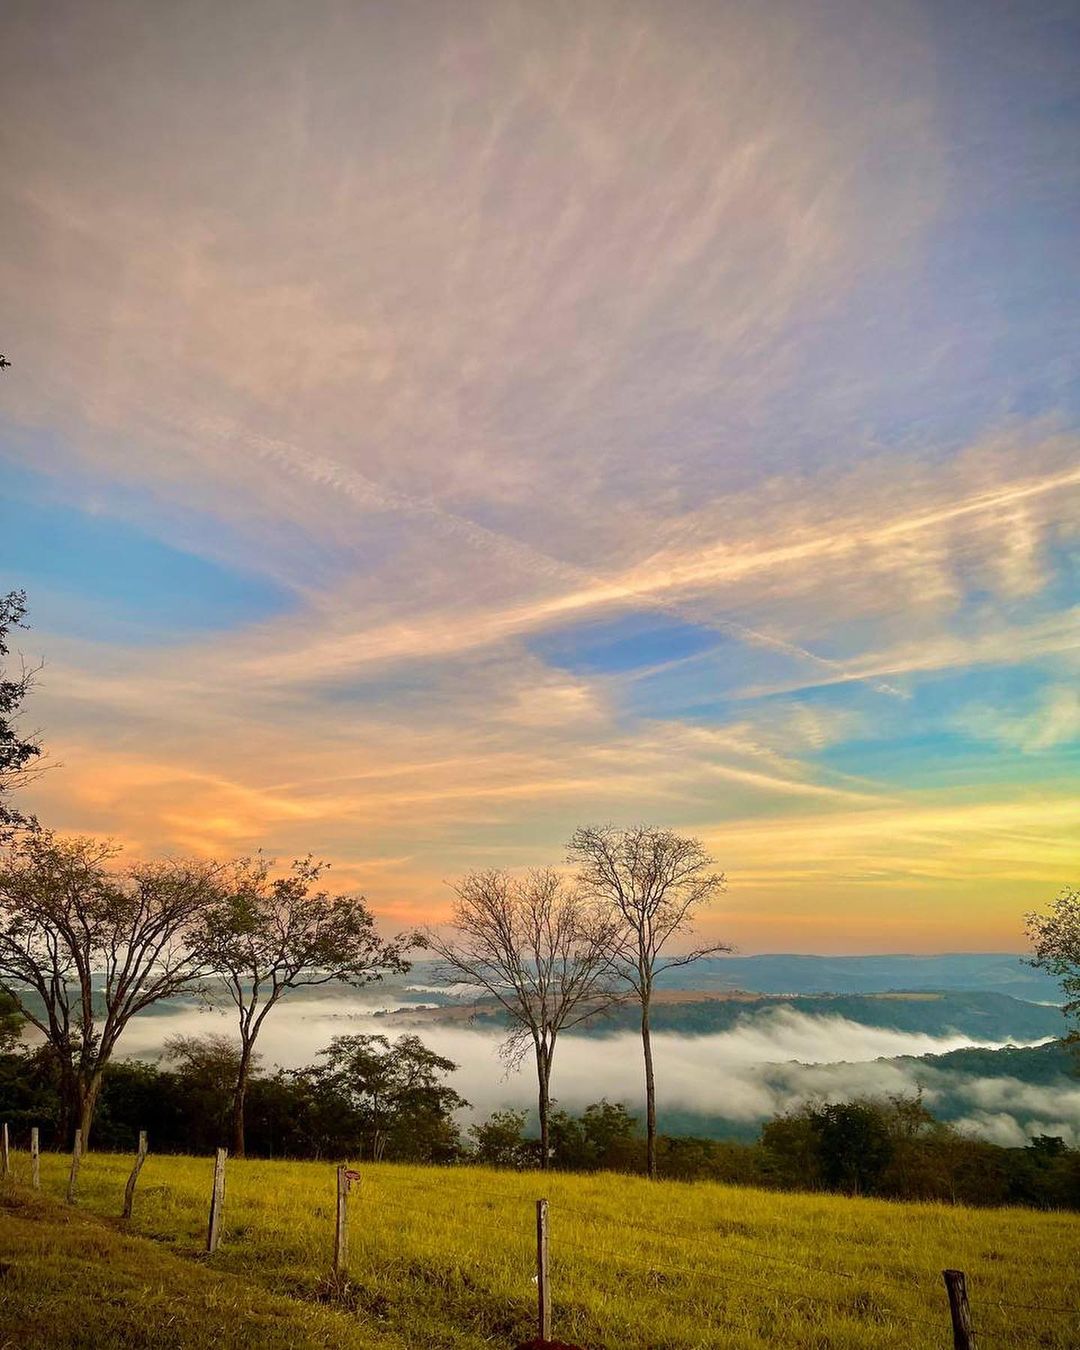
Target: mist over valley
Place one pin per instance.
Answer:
(984, 1060)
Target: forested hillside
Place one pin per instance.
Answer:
(980, 1015)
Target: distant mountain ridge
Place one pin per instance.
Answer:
(982, 1016)
(792, 973)
(986, 1017)
(780, 973)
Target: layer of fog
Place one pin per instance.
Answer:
(770, 1062)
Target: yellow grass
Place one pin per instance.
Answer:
(445, 1257)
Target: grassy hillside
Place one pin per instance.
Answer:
(68, 1282)
(445, 1258)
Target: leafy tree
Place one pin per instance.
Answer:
(612, 1135)
(603, 1138)
(11, 1023)
(18, 752)
(907, 1117)
(655, 882)
(30, 1090)
(792, 1148)
(206, 1072)
(396, 1092)
(569, 1147)
(543, 951)
(286, 1116)
(267, 935)
(855, 1146)
(500, 1140)
(1055, 939)
(137, 1096)
(842, 1146)
(84, 947)
(915, 1168)
(689, 1158)
(1047, 1147)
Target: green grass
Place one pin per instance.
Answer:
(445, 1258)
(68, 1282)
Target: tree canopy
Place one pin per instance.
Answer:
(1055, 939)
(86, 945)
(267, 934)
(543, 950)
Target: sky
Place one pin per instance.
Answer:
(435, 426)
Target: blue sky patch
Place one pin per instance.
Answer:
(631, 642)
(90, 574)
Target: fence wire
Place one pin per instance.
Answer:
(718, 1243)
(714, 1243)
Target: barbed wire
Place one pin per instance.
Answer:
(717, 1236)
(707, 1235)
(1074, 1311)
(701, 1235)
(787, 1296)
(721, 1243)
(598, 1223)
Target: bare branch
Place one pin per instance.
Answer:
(85, 946)
(654, 883)
(542, 950)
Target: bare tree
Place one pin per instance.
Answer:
(265, 935)
(655, 882)
(543, 951)
(1055, 940)
(85, 946)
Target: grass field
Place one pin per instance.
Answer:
(445, 1257)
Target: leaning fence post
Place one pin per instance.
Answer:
(543, 1286)
(35, 1159)
(5, 1149)
(73, 1176)
(962, 1329)
(129, 1189)
(217, 1202)
(341, 1223)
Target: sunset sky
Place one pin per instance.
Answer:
(436, 425)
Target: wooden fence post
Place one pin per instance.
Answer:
(73, 1176)
(35, 1158)
(217, 1202)
(129, 1189)
(963, 1331)
(341, 1223)
(5, 1149)
(543, 1285)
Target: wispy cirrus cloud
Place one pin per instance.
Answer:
(598, 398)
(1053, 721)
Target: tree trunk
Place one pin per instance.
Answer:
(650, 1090)
(89, 1090)
(239, 1093)
(543, 1107)
(69, 1113)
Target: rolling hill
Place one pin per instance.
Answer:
(979, 1015)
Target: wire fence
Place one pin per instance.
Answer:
(655, 1267)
